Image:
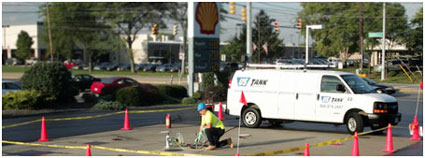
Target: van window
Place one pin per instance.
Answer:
(357, 84)
(329, 84)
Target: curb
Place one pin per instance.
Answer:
(407, 90)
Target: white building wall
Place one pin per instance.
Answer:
(140, 50)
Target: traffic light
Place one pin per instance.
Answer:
(232, 7)
(276, 25)
(299, 23)
(175, 29)
(243, 14)
(155, 29)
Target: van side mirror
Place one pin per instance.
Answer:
(340, 88)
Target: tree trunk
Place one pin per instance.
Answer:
(90, 62)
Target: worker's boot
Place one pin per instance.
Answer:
(229, 141)
(211, 147)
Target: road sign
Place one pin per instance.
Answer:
(181, 55)
(375, 34)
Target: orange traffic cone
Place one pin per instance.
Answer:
(88, 152)
(43, 136)
(126, 121)
(220, 112)
(168, 121)
(355, 151)
(415, 127)
(389, 144)
(306, 150)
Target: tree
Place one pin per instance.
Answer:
(178, 13)
(340, 36)
(413, 38)
(23, 45)
(130, 18)
(262, 33)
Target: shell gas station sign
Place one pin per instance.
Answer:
(204, 36)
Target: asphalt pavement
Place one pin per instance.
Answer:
(104, 134)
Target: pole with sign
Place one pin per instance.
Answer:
(204, 39)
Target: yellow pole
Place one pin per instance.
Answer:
(406, 73)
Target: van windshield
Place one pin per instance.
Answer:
(358, 85)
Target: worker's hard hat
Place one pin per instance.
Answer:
(201, 106)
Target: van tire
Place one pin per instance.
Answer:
(251, 117)
(354, 123)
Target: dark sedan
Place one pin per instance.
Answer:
(83, 81)
(380, 88)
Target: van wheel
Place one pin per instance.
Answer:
(354, 123)
(251, 117)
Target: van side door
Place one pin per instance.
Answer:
(306, 90)
(331, 100)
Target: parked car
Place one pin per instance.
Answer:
(97, 86)
(83, 81)
(101, 66)
(150, 67)
(31, 61)
(175, 68)
(123, 67)
(112, 66)
(164, 68)
(10, 86)
(14, 61)
(380, 88)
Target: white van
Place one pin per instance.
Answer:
(309, 95)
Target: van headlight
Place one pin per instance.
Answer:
(379, 107)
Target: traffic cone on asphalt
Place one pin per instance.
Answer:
(43, 136)
(306, 150)
(168, 121)
(389, 144)
(355, 151)
(220, 112)
(415, 127)
(88, 152)
(126, 121)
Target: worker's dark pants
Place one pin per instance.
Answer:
(213, 135)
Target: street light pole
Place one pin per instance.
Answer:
(307, 29)
(248, 33)
(383, 46)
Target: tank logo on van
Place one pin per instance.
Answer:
(328, 99)
(243, 81)
(257, 82)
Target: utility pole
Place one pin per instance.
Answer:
(383, 46)
(49, 31)
(361, 36)
(248, 33)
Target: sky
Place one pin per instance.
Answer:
(20, 13)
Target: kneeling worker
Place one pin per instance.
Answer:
(212, 127)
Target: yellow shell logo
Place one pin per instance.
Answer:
(207, 16)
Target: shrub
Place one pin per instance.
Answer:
(188, 100)
(215, 94)
(24, 100)
(130, 96)
(175, 91)
(207, 80)
(152, 95)
(110, 92)
(197, 95)
(109, 105)
(89, 98)
(142, 95)
(50, 79)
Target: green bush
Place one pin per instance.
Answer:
(109, 105)
(110, 92)
(175, 91)
(142, 95)
(188, 100)
(89, 98)
(24, 100)
(131, 96)
(50, 79)
(207, 80)
(215, 94)
(197, 95)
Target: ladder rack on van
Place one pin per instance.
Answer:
(281, 66)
